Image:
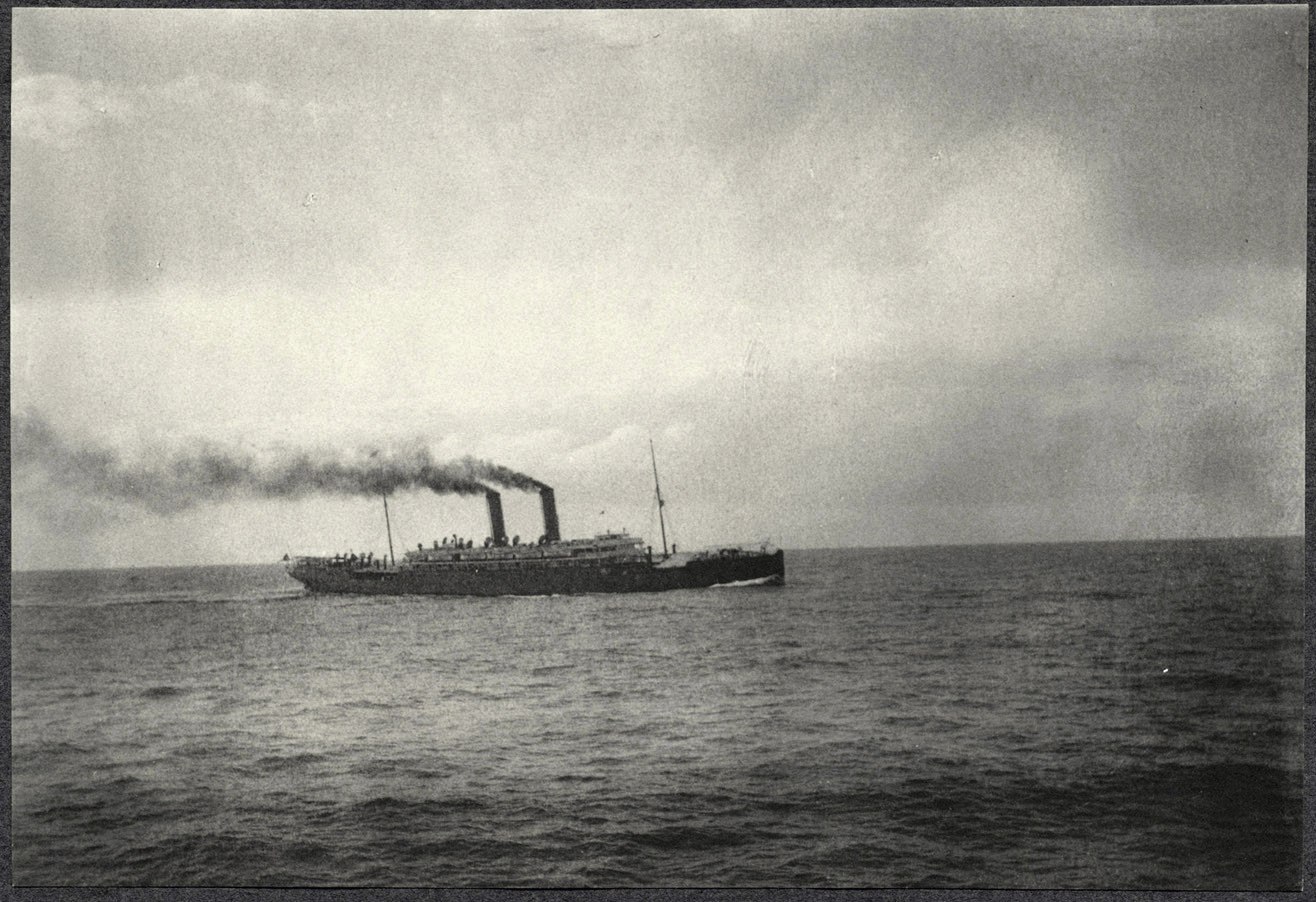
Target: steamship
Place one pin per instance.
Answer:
(610, 562)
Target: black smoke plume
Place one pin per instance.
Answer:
(167, 481)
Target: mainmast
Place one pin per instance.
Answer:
(383, 493)
(392, 560)
(659, 492)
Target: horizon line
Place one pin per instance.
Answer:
(987, 544)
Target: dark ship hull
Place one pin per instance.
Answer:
(548, 577)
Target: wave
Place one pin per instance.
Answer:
(191, 597)
(1107, 595)
(772, 580)
(552, 668)
(691, 838)
(290, 762)
(606, 693)
(798, 662)
(392, 805)
(368, 705)
(160, 692)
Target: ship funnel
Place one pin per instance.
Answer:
(496, 525)
(549, 503)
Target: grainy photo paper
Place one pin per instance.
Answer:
(658, 448)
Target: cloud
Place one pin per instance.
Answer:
(56, 109)
(207, 90)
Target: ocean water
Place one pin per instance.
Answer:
(1067, 716)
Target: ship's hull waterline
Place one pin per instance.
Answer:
(537, 579)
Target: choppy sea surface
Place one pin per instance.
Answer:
(1069, 716)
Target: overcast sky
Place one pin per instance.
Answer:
(867, 277)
